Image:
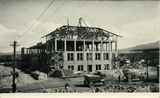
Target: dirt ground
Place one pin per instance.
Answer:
(26, 84)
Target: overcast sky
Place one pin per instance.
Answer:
(136, 21)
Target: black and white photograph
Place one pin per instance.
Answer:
(73, 46)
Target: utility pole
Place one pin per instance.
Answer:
(14, 58)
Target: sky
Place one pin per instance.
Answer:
(136, 21)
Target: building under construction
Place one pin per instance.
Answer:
(80, 48)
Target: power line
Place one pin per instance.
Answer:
(67, 14)
(72, 11)
(37, 19)
(49, 16)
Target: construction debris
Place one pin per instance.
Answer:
(39, 75)
(120, 88)
(6, 77)
(61, 73)
(60, 90)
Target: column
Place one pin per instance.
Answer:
(65, 45)
(92, 45)
(93, 53)
(111, 46)
(55, 45)
(27, 51)
(74, 45)
(84, 53)
(116, 51)
(101, 52)
(106, 46)
(46, 46)
(39, 49)
(116, 46)
(75, 54)
(110, 54)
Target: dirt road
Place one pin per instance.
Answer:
(26, 84)
(76, 84)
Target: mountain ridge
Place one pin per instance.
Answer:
(10, 53)
(153, 45)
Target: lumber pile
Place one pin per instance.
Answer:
(39, 75)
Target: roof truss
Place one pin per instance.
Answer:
(71, 32)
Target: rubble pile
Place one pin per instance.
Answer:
(107, 89)
(6, 76)
(39, 75)
(6, 81)
(21, 79)
(7, 71)
(122, 89)
(25, 79)
(60, 90)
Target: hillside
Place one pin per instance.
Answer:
(10, 53)
(154, 45)
(1, 53)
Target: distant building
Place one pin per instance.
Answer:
(147, 54)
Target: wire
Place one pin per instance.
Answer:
(49, 17)
(66, 15)
(37, 19)
(72, 11)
